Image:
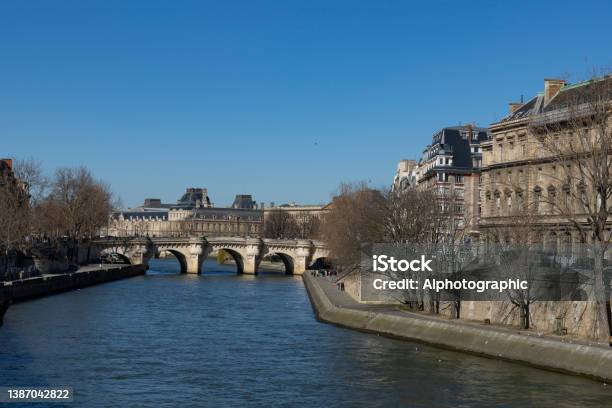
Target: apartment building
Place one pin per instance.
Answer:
(522, 176)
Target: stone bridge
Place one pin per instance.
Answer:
(297, 255)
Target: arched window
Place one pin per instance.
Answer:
(552, 199)
(497, 195)
(520, 199)
(537, 198)
(583, 202)
(508, 195)
(566, 198)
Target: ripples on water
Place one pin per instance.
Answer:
(233, 340)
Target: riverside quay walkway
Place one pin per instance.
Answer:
(574, 357)
(47, 284)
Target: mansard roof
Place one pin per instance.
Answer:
(569, 94)
(193, 195)
(243, 201)
(133, 214)
(453, 142)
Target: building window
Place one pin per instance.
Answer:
(520, 201)
(497, 201)
(537, 197)
(567, 199)
(552, 197)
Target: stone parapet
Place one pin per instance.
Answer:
(49, 284)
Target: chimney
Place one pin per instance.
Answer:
(551, 88)
(514, 106)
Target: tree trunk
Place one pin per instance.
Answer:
(525, 316)
(602, 329)
(457, 307)
(4, 304)
(6, 261)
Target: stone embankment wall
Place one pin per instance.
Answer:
(547, 353)
(49, 284)
(576, 317)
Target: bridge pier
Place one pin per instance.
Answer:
(300, 261)
(250, 260)
(139, 255)
(195, 257)
(193, 264)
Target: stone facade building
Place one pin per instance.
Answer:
(524, 193)
(522, 179)
(405, 175)
(192, 215)
(531, 194)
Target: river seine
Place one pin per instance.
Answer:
(223, 339)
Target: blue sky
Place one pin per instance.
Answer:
(280, 99)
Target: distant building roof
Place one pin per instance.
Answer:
(244, 201)
(568, 94)
(136, 214)
(193, 196)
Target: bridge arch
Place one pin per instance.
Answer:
(287, 260)
(247, 253)
(322, 262)
(179, 255)
(110, 253)
(234, 254)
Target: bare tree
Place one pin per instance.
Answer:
(85, 203)
(14, 213)
(422, 221)
(29, 172)
(448, 243)
(76, 208)
(356, 217)
(411, 216)
(280, 224)
(577, 138)
(308, 226)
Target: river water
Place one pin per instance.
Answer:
(223, 339)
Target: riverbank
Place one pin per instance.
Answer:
(333, 306)
(18, 290)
